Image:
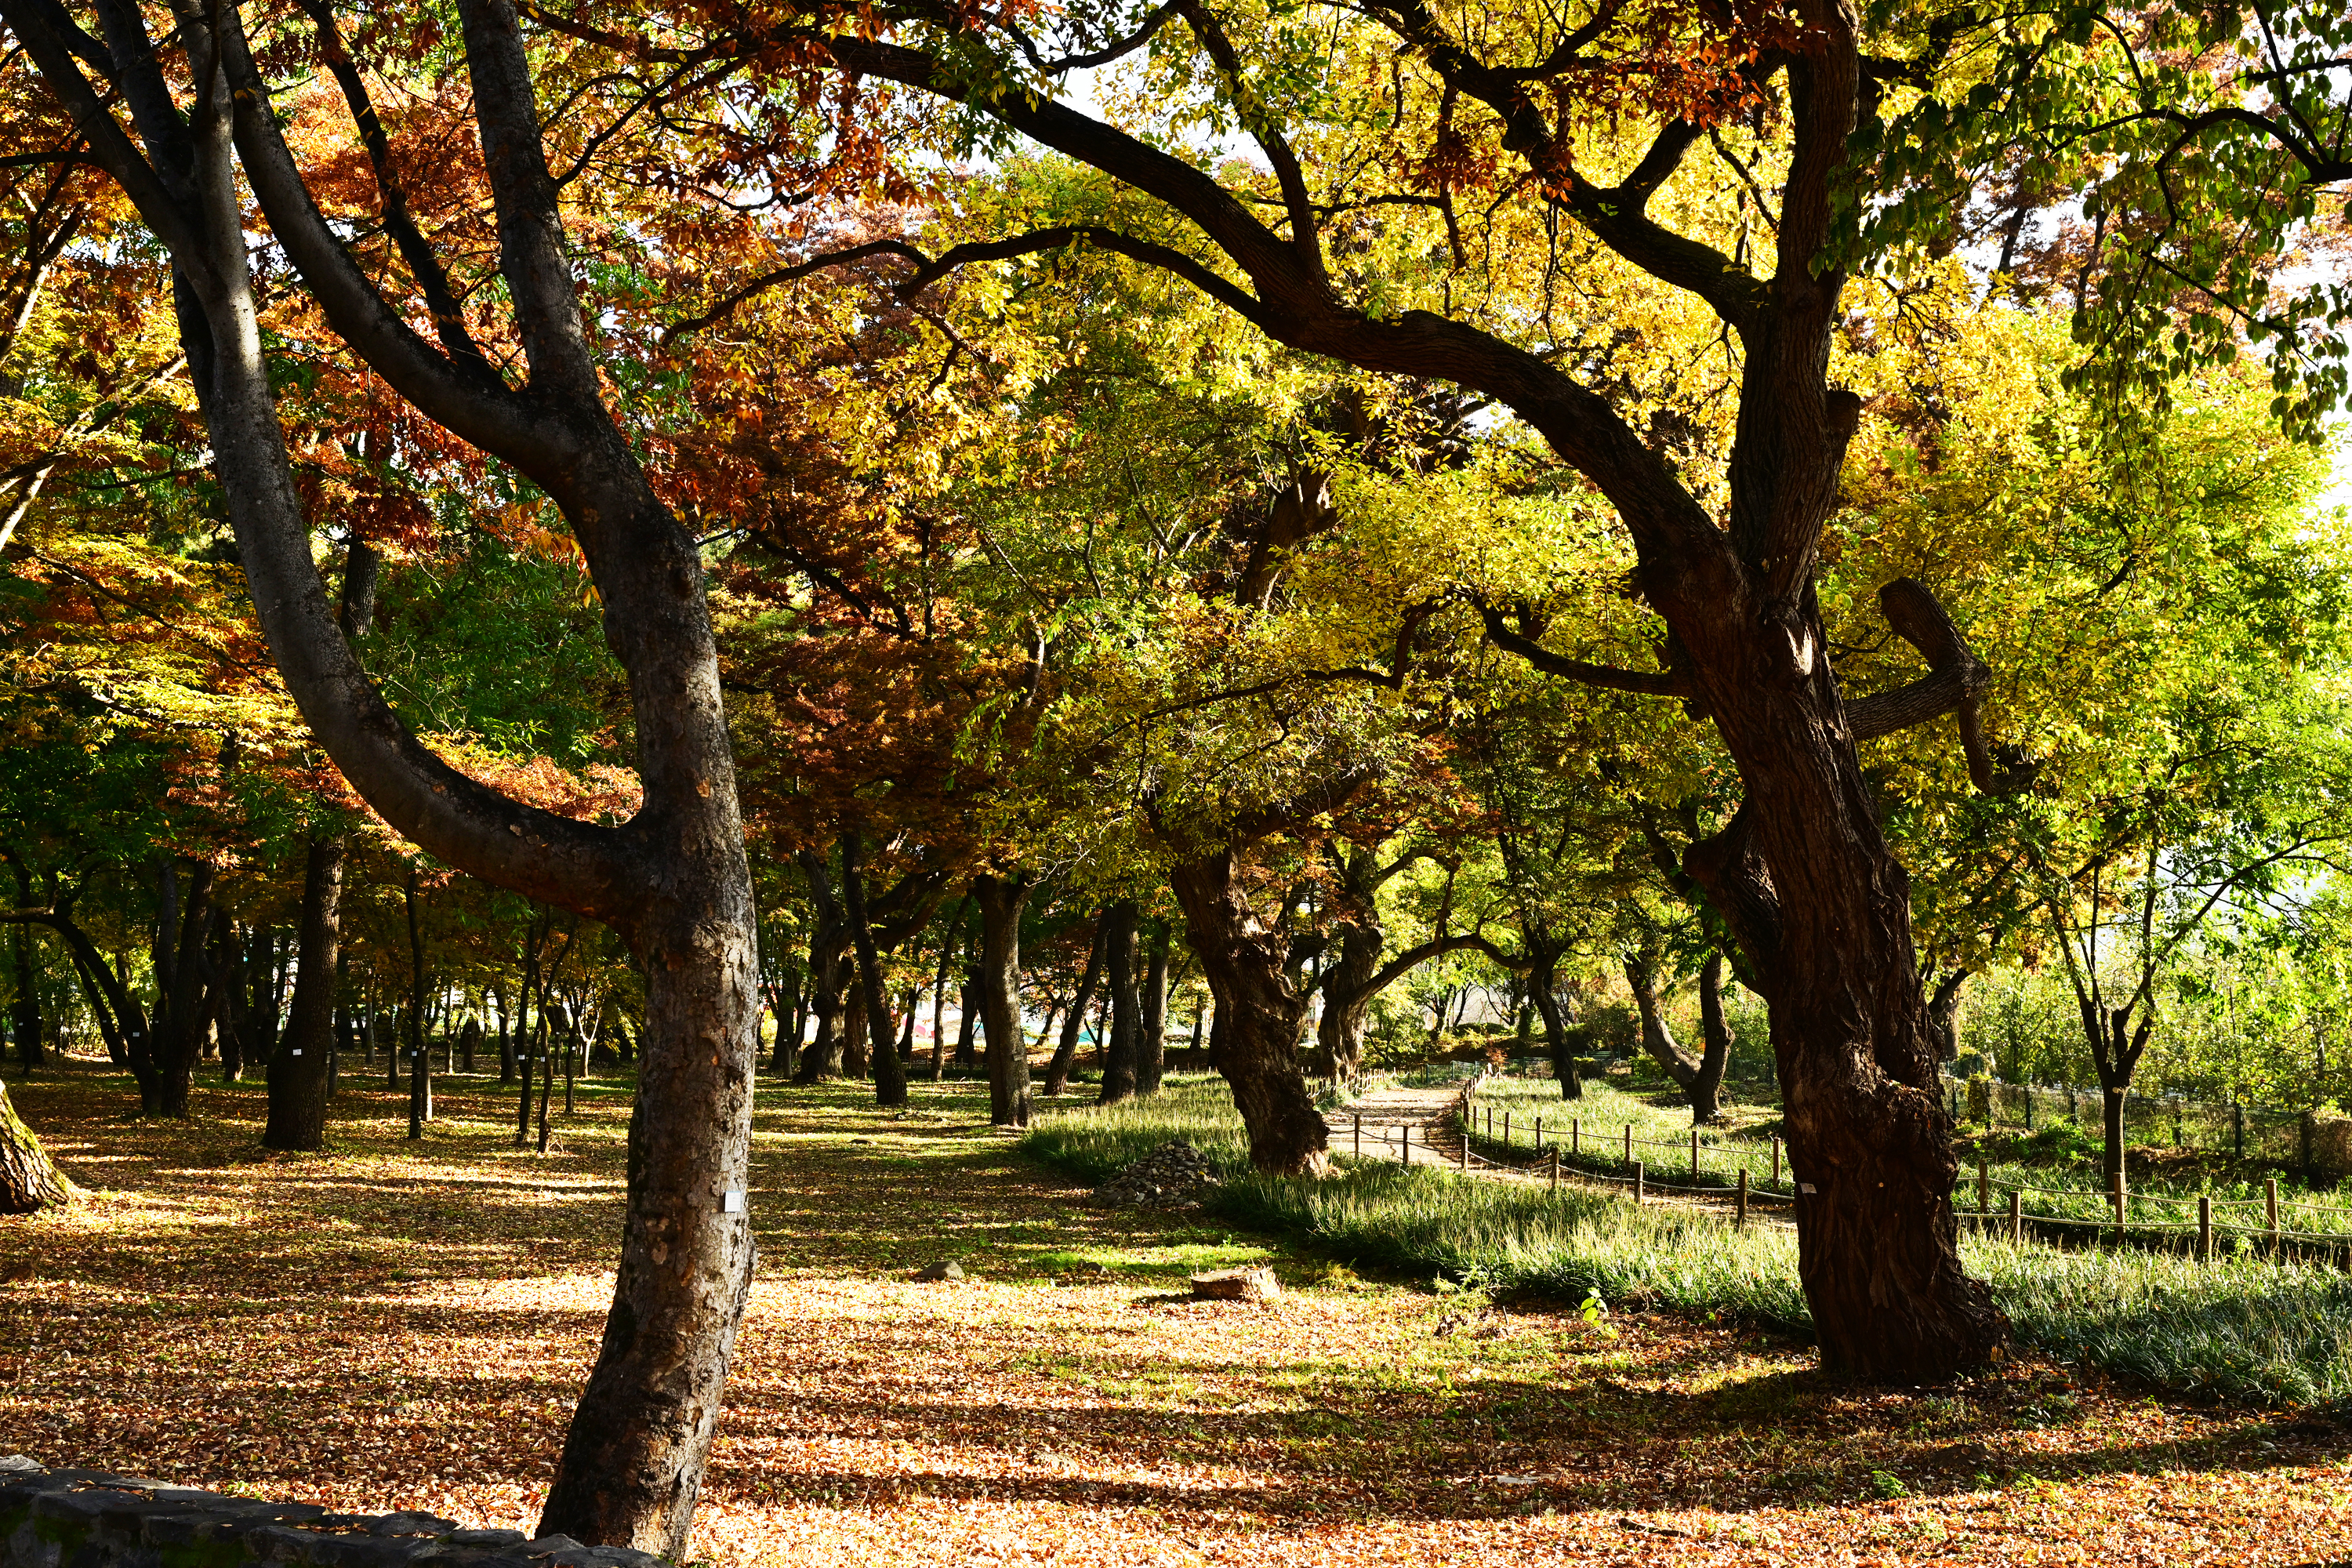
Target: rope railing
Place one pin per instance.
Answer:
(1560, 1158)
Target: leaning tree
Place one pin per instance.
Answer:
(182, 122)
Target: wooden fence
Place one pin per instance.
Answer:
(2203, 1226)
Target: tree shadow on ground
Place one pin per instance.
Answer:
(397, 1310)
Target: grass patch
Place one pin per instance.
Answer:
(2244, 1328)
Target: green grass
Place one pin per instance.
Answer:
(2244, 1328)
(2056, 1168)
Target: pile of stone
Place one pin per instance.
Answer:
(1176, 1176)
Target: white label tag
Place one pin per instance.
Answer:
(1805, 1186)
(296, 1051)
(732, 1204)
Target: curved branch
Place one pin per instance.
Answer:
(1957, 679)
(1642, 682)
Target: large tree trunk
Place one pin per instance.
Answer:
(1824, 912)
(1065, 1054)
(1347, 992)
(1001, 900)
(890, 1071)
(30, 1183)
(297, 1068)
(856, 1032)
(1126, 1004)
(1260, 1017)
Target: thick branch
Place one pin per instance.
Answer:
(1957, 679)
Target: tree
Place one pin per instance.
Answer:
(1801, 871)
(674, 879)
(29, 1181)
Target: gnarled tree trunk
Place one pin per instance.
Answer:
(1260, 1017)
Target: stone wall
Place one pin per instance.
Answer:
(84, 1519)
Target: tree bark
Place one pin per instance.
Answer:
(420, 1061)
(1561, 1038)
(183, 1002)
(1347, 992)
(1944, 1014)
(1260, 1017)
(890, 1070)
(1151, 1047)
(24, 1007)
(674, 878)
(297, 1071)
(262, 1021)
(968, 1014)
(1001, 903)
(828, 946)
(1119, 1080)
(30, 1181)
(1657, 1035)
(1066, 1053)
(1715, 1033)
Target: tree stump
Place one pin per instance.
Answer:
(1255, 1283)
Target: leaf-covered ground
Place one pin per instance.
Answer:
(405, 1325)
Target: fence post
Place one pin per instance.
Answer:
(2238, 1127)
(1739, 1215)
(1490, 1124)
(1628, 1142)
(2028, 1108)
(1555, 1172)
(1539, 1134)
(1776, 1159)
(1506, 1131)
(1465, 1150)
(2017, 1215)
(1576, 1135)
(1359, 1134)
(1404, 1144)
(2204, 1228)
(2270, 1194)
(1984, 1185)
(1694, 1156)
(1637, 1181)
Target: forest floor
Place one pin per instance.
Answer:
(401, 1325)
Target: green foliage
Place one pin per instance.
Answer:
(2242, 1329)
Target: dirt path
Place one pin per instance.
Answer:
(405, 1325)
